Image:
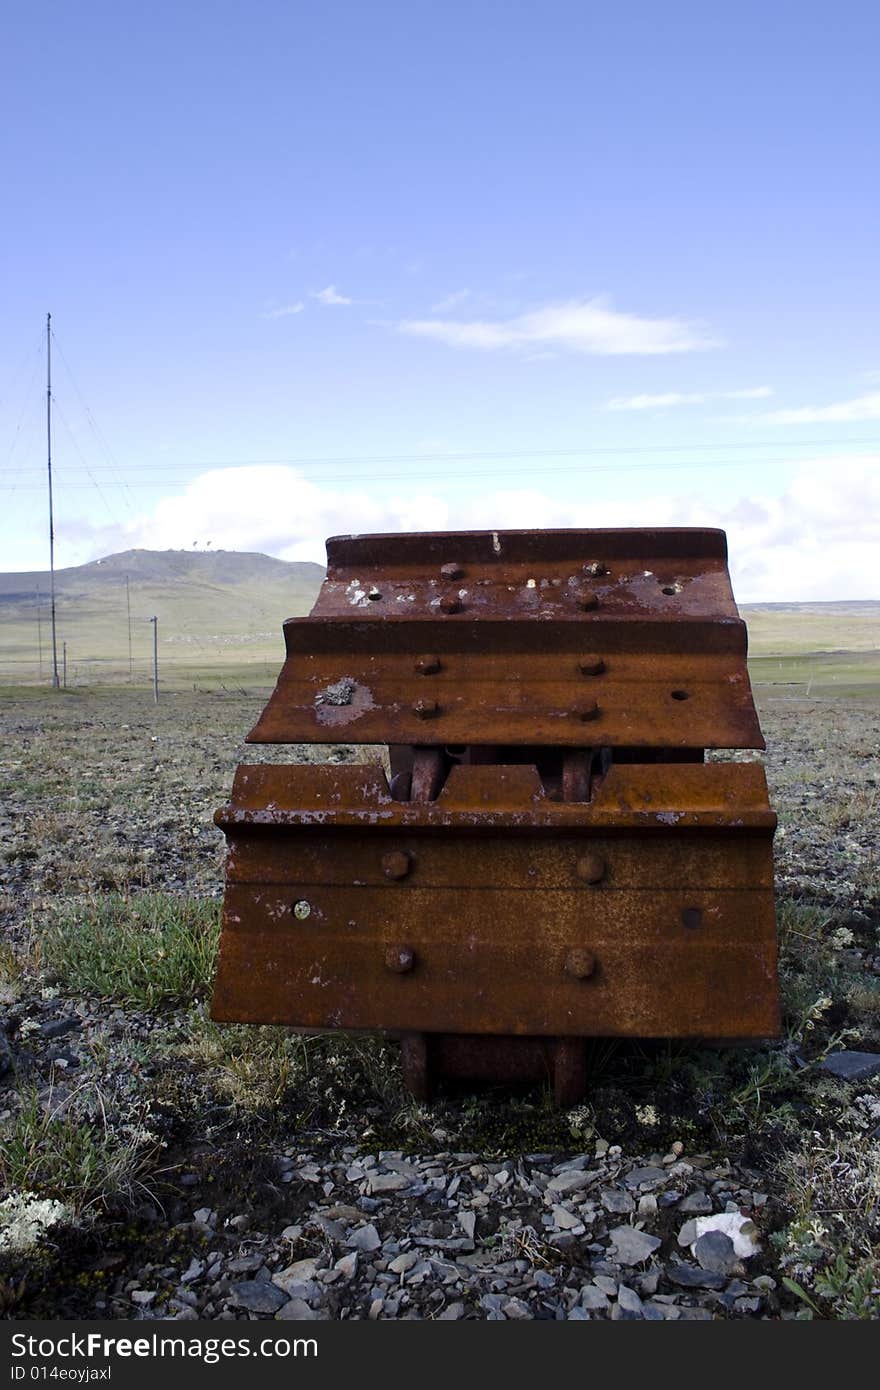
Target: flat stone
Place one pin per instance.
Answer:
(566, 1220)
(632, 1247)
(714, 1251)
(347, 1265)
(404, 1262)
(691, 1277)
(696, 1204)
(593, 1299)
(467, 1220)
(517, 1310)
(143, 1297)
(613, 1200)
(257, 1296)
(57, 1027)
(852, 1066)
(451, 1313)
(297, 1310)
(606, 1284)
(298, 1273)
(572, 1180)
(645, 1177)
(388, 1182)
(629, 1305)
(688, 1233)
(365, 1238)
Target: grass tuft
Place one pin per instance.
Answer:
(68, 1149)
(149, 951)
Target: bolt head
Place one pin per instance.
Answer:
(452, 571)
(588, 711)
(396, 864)
(591, 665)
(302, 910)
(400, 959)
(580, 963)
(588, 602)
(428, 665)
(591, 867)
(425, 709)
(450, 603)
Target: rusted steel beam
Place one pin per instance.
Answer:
(553, 860)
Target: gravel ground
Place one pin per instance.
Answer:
(302, 1215)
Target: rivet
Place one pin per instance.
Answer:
(425, 709)
(580, 963)
(400, 959)
(591, 665)
(692, 917)
(588, 711)
(588, 602)
(595, 568)
(427, 665)
(451, 571)
(302, 910)
(591, 867)
(450, 603)
(396, 864)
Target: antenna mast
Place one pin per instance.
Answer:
(55, 680)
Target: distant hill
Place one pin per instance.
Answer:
(227, 568)
(214, 609)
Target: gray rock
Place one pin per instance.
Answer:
(404, 1262)
(629, 1305)
(688, 1233)
(297, 1310)
(257, 1296)
(593, 1299)
(606, 1284)
(696, 1204)
(365, 1238)
(451, 1313)
(517, 1310)
(388, 1182)
(654, 1312)
(613, 1200)
(632, 1247)
(467, 1220)
(572, 1180)
(577, 1314)
(57, 1027)
(852, 1066)
(714, 1251)
(691, 1277)
(645, 1177)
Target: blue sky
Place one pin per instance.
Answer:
(340, 267)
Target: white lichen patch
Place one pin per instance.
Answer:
(25, 1218)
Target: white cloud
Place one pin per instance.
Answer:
(673, 398)
(818, 540)
(589, 326)
(330, 295)
(843, 412)
(284, 311)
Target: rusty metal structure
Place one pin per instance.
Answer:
(546, 856)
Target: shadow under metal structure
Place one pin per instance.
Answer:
(551, 859)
